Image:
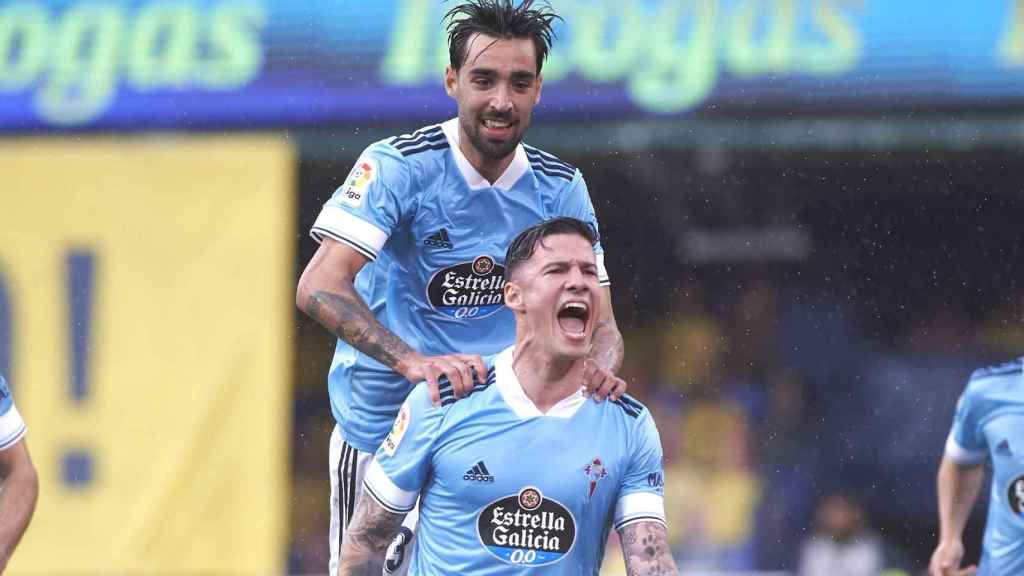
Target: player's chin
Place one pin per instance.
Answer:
(573, 344)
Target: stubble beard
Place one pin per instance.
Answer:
(488, 149)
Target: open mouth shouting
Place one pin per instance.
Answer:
(573, 319)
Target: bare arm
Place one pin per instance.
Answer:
(367, 538)
(17, 498)
(606, 353)
(958, 488)
(607, 350)
(326, 293)
(646, 551)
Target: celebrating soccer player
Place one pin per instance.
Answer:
(523, 476)
(409, 274)
(19, 484)
(987, 426)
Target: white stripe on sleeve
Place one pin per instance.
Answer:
(385, 492)
(961, 455)
(335, 223)
(12, 428)
(639, 507)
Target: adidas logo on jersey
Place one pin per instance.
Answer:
(478, 473)
(439, 239)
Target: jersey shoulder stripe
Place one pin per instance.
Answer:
(547, 158)
(417, 136)
(630, 405)
(448, 394)
(997, 371)
(429, 138)
(551, 168)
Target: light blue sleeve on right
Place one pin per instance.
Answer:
(966, 442)
(576, 203)
(402, 464)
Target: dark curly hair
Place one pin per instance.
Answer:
(500, 19)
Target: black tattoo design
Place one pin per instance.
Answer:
(347, 317)
(646, 551)
(367, 538)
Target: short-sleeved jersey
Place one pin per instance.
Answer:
(435, 232)
(12, 427)
(505, 489)
(989, 424)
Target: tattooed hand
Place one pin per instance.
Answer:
(645, 549)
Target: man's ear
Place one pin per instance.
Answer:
(451, 79)
(514, 296)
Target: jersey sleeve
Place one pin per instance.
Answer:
(641, 497)
(12, 427)
(966, 443)
(369, 204)
(402, 463)
(577, 204)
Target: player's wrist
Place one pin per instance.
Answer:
(409, 366)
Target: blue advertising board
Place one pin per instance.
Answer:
(93, 64)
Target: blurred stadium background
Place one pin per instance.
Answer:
(812, 211)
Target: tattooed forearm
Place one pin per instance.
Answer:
(367, 538)
(607, 349)
(345, 314)
(645, 549)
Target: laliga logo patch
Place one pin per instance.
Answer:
(469, 289)
(527, 529)
(397, 431)
(1015, 496)
(354, 189)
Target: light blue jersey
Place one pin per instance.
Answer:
(505, 489)
(435, 232)
(12, 427)
(989, 424)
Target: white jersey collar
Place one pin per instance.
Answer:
(514, 395)
(511, 175)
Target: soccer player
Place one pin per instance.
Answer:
(988, 425)
(19, 484)
(524, 475)
(409, 271)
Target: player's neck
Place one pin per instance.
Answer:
(546, 380)
(489, 168)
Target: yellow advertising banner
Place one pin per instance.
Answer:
(145, 306)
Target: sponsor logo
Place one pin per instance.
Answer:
(527, 529)
(596, 472)
(354, 189)
(397, 431)
(656, 480)
(478, 473)
(1015, 496)
(469, 289)
(439, 239)
(1003, 449)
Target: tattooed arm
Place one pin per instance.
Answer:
(645, 549)
(326, 293)
(606, 353)
(367, 538)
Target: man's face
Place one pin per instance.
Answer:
(496, 89)
(557, 293)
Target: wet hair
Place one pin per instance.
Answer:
(499, 19)
(525, 244)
